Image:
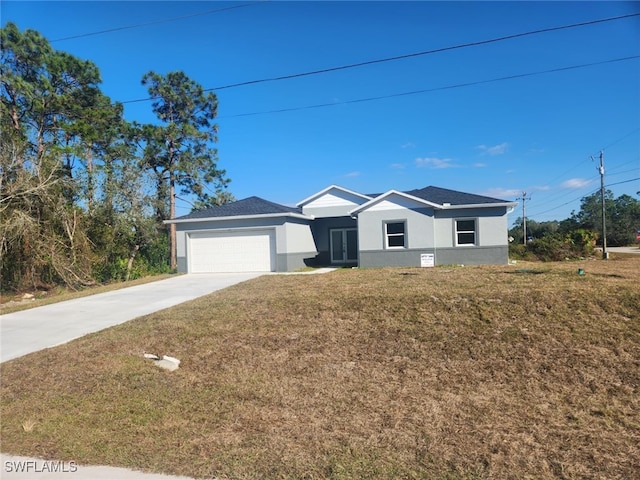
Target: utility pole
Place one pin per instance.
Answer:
(524, 198)
(605, 255)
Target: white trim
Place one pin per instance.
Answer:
(404, 234)
(476, 225)
(382, 197)
(445, 206)
(240, 217)
(329, 188)
(478, 205)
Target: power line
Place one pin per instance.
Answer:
(427, 52)
(558, 197)
(586, 195)
(615, 142)
(624, 181)
(611, 170)
(410, 55)
(156, 22)
(567, 203)
(617, 174)
(593, 179)
(428, 90)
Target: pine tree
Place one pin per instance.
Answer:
(180, 150)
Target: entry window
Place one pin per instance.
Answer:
(395, 234)
(466, 232)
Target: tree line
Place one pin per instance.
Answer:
(84, 192)
(578, 235)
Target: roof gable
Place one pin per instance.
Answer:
(393, 200)
(250, 206)
(334, 195)
(434, 197)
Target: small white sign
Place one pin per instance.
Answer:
(427, 259)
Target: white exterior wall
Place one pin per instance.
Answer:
(334, 203)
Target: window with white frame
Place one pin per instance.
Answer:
(466, 231)
(395, 234)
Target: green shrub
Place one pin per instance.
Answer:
(551, 248)
(583, 240)
(518, 251)
(556, 247)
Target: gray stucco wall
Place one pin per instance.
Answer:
(492, 228)
(419, 228)
(443, 256)
(490, 255)
(429, 231)
(289, 262)
(299, 248)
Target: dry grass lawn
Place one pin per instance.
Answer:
(496, 372)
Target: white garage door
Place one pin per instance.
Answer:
(242, 251)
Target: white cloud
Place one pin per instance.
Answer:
(435, 162)
(494, 150)
(398, 166)
(408, 145)
(352, 174)
(503, 193)
(576, 183)
(513, 193)
(480, 165)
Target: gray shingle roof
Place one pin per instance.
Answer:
(442, 195)
(246, 206)
(259, 206)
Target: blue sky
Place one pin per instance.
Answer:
(531, 134)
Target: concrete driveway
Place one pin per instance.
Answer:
(50, 325)
(635, 250)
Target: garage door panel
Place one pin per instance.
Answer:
(246, 251)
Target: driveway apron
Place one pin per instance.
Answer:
(51, 325)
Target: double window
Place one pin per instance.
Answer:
(395, 234)
(466, 232)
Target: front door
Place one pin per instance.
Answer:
(344, 245)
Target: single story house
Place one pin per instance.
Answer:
(340, 227)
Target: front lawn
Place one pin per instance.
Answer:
(510, 372)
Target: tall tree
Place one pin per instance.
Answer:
(622, 216)
(180, 150)
(63, 146)
(42, 90)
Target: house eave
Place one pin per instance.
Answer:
(385, 195)
(477, 205)
(331, 187)
(239, 217)
(445, 206)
